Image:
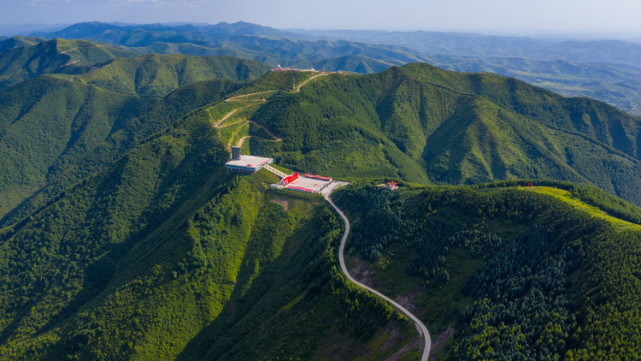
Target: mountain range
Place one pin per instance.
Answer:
(602, 69)
(122, 235)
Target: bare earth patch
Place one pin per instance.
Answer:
(441, 339)
(410, 346)
(283, 202)
(406, 301)
(361, 271)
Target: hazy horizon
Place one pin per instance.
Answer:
(587, 18)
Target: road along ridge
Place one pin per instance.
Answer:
(420, 327)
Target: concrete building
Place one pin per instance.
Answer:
(245, 163)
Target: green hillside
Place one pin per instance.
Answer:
(354, 64)
(501, 273)
(165, 256)
(54, 132)
(18, 41)
(425, 124)
(52, 56)
(117, 70)
(158, 75)
(583, 68)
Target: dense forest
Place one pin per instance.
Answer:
(544, 283)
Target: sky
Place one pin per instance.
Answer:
(484, 16)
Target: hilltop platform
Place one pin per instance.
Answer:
(248, 163)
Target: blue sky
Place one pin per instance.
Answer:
(489, 16)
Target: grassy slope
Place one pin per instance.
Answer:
(486, 292)
(594, 211)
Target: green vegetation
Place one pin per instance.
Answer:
(603, 70)
(158, 75)
(56, 132)
(117, 70)
(165, 256)
(592, 198)
(248, 41)
(123, 237)
(516, 273)
(18, 41)
(424, 124)
(566, 197)
(52, 56)
(355, 64)
(614, 84)
(84, 122)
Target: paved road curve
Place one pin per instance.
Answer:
(422, 330)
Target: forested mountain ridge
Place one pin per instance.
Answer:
(57, 129)
(18, 41)
(52, 56)
(158, 75)
(423, 124)
(501, 273)
(572, 68)
(164, 255)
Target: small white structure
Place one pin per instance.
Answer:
(246, 163)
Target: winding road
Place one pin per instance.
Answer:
(420, 327)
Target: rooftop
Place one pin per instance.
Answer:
(249, 163)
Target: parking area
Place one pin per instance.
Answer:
(310, 185)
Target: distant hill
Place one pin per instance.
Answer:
(118, 70)
(353, 63)
(609, 68)
(493, 46)
(616, 84)
(158, 75)
(54, 56)
(441, 43)
(116, 32)
(18, 41)
(263, 44)
(602, 51)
